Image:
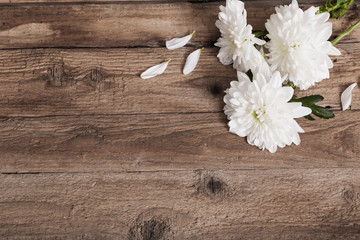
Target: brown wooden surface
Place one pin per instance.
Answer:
(126, 24)
(243, 204)
(153, 142)
(43, 82)
(88, 150)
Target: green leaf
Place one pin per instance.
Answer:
(310, 102)
(312, 99)
(337, 8)
(309, 117)
(260, 33)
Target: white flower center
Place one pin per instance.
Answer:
(294, 45)
(259, 114)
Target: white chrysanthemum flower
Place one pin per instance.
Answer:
(260, 110)
(237, 41)
(299, 45)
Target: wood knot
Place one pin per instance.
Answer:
(212, 186)
(96, 75)
(153, 229)
(56, 75)
(211, 85)
(158, 224)
(350, 196)
(215, 89)
(97, 80)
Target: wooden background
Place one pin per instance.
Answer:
(88, 150)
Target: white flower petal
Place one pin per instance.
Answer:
(178, 42)
(346, 96)
(334, 51)
(155, 70)
(301, 112)
(192, 61)
(242, 77)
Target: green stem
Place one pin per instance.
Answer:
(326, 10)
(263, 53)
(344, 34)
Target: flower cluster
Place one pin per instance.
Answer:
(294, 49)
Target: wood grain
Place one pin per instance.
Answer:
(248, 2)
(126, 25)
(43, 82)
(155, 142)
(88, 150)
(276, 204)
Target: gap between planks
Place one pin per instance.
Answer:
(19, 117)
(157, 2)
(172, 170)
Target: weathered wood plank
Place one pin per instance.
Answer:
(258, 2)
(85, 112)
(166, 141)
(38, 82)
(9, 2)
(124, 25)
(260, 204)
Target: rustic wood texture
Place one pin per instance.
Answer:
(248, 2)
(155, 142)
(43, 82)
(126, 25)
(259, 204)
(88, 150)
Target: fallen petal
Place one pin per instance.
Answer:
(155, 70)
(178, 42)
(346, 96)
(192, 61)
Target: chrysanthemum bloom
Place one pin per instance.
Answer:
(299, 45)
(260, 111)
(237, 41)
